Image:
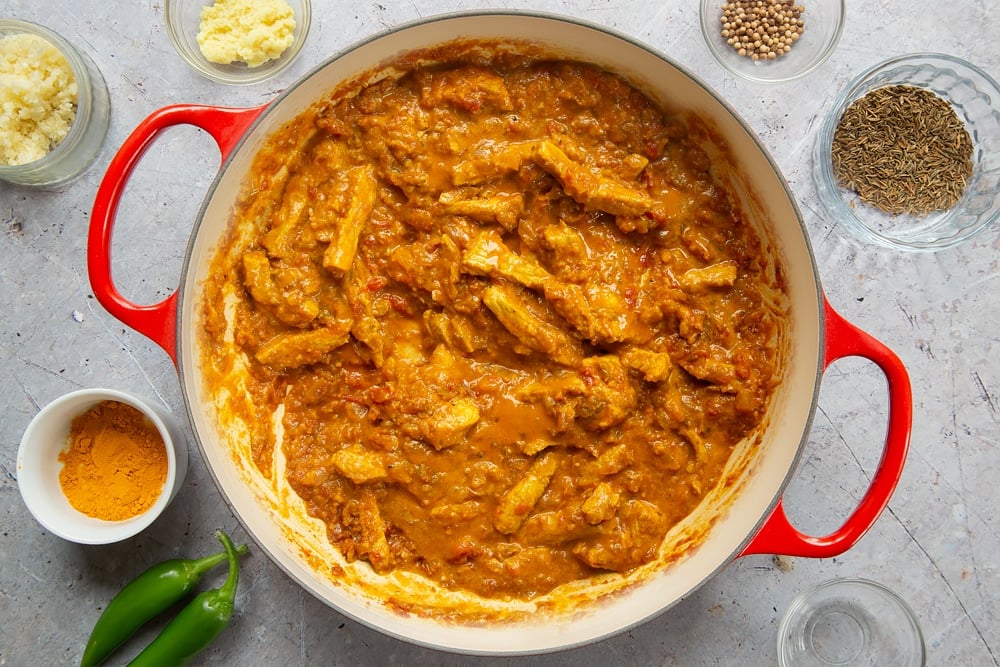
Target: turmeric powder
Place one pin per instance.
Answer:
(115, 465)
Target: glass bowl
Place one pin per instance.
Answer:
(39, 467)
(847, 623)
(81, 146)
(183, 18)
(975, 98)
(824, 23)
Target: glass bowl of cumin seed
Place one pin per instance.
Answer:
(909, 156)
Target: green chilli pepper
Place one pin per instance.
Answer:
(145, 597)
(198, 623)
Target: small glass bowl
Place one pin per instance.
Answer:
(975, 97)
(183, 18)
(82, 144)
(824, 23)
(38, 468)
(847, 623)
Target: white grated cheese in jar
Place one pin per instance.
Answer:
(38, 98)
(249, 31)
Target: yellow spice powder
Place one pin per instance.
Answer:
(115, 465)
(38, 97)
(249, 31)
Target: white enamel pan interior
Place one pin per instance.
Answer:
(767, 198)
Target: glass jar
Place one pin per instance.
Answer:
(83, 142)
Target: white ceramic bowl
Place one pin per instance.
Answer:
(824, 23)
(183, 19)
(38, 468)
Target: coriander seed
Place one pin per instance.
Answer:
(762, 29)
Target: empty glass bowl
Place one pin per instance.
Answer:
(848, 623)
(183, 18)
(824, 23)
(975, 98)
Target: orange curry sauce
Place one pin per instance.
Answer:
(515, 325)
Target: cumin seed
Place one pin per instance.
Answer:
(903, 149)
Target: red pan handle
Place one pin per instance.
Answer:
(778, 535)
(157, 321)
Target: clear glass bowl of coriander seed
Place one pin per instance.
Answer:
(772, 41)
(909, 156)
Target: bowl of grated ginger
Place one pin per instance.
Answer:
(238, 41)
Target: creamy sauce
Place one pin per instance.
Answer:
(514, 325)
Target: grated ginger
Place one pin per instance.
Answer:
(249, 31)
(38, 97)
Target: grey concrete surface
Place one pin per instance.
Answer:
(937, 545)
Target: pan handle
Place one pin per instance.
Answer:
(778, 535)
(157, 321)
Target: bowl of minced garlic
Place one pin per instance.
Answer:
(55, 106)
(98, 466)
(238, 41)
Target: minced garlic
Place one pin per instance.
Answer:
(249, 31)
(38, 96)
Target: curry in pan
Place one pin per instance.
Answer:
(501, 318)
